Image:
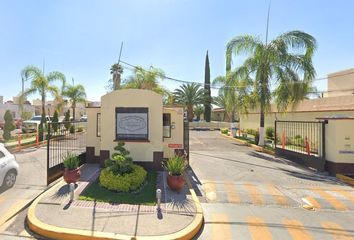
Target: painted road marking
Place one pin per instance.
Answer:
(312, 202)
(254, 193)
(348, 195)
(337, 232)
(258, 228)
(296, 229)
(232, 196)
(13, 209)
(221, 228)
(277, 195)
(332, 200)
(210, 190)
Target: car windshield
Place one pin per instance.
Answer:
(36, 118)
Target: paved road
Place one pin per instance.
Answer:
(249, 195)
(31, 181)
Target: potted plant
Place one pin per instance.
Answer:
(72, 171)
(175, 167)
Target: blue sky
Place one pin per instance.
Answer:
(82, 38)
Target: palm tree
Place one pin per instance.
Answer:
(284, 64)
(189, 95)
(59, 99)
(233, 94)
(41, 83)
(116, 71)
(146, 79)
(76, 94)
(198, 110)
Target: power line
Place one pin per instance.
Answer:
(216, 86)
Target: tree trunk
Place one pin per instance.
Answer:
(261, 128)
(190, 113)
(74, 106)
(116, 81)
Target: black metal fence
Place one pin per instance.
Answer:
(63, 138)
(301, 141)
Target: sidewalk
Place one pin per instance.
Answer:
(52, 215)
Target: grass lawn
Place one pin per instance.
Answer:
(147, 195)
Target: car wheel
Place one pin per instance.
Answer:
(10, 179)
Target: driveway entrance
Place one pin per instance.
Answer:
(250, 195)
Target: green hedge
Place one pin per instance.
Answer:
(224, 131)
(125, 182)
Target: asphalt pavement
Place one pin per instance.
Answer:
(31, 181)
(250, 195)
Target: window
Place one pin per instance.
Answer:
(132, 124)
(166, 120)
(2, 154)
(98, 125)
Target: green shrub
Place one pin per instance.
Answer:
(55, 124)
(80, 129)
(67, 123)
(225, 131)
(175, 165)
(120, 174)
(123, 183)
(270, 132)
(256, 138)
(251, 132)
(9, 125)
(71, 161)
(120, 162)
(72, 129)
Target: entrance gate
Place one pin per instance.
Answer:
(302, 142)
(64, 138)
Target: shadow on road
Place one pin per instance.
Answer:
(233, 160)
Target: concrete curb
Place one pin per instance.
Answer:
(256, 147)
(55, 232)
(346, 179)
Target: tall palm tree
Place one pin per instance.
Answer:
(76, 94)
(284, 64)
(146, 79)
(59, 98)
(116, 71)
(41, 83)
(233, 94)
(189, 95)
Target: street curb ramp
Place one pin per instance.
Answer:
(55, 232)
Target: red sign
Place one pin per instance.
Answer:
(175, 145)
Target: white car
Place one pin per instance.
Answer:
(8, 168)
(32, 125)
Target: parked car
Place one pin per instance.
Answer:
(8, 168)
(83, 118)
(31, 125)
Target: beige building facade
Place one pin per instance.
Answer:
(137, 117)
(340, 83)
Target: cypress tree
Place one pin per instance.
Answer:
(9, 125)
(67, 124)
(55, 121)
(207, 94)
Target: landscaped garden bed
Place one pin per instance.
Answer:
(122, 181)
(146, 195)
